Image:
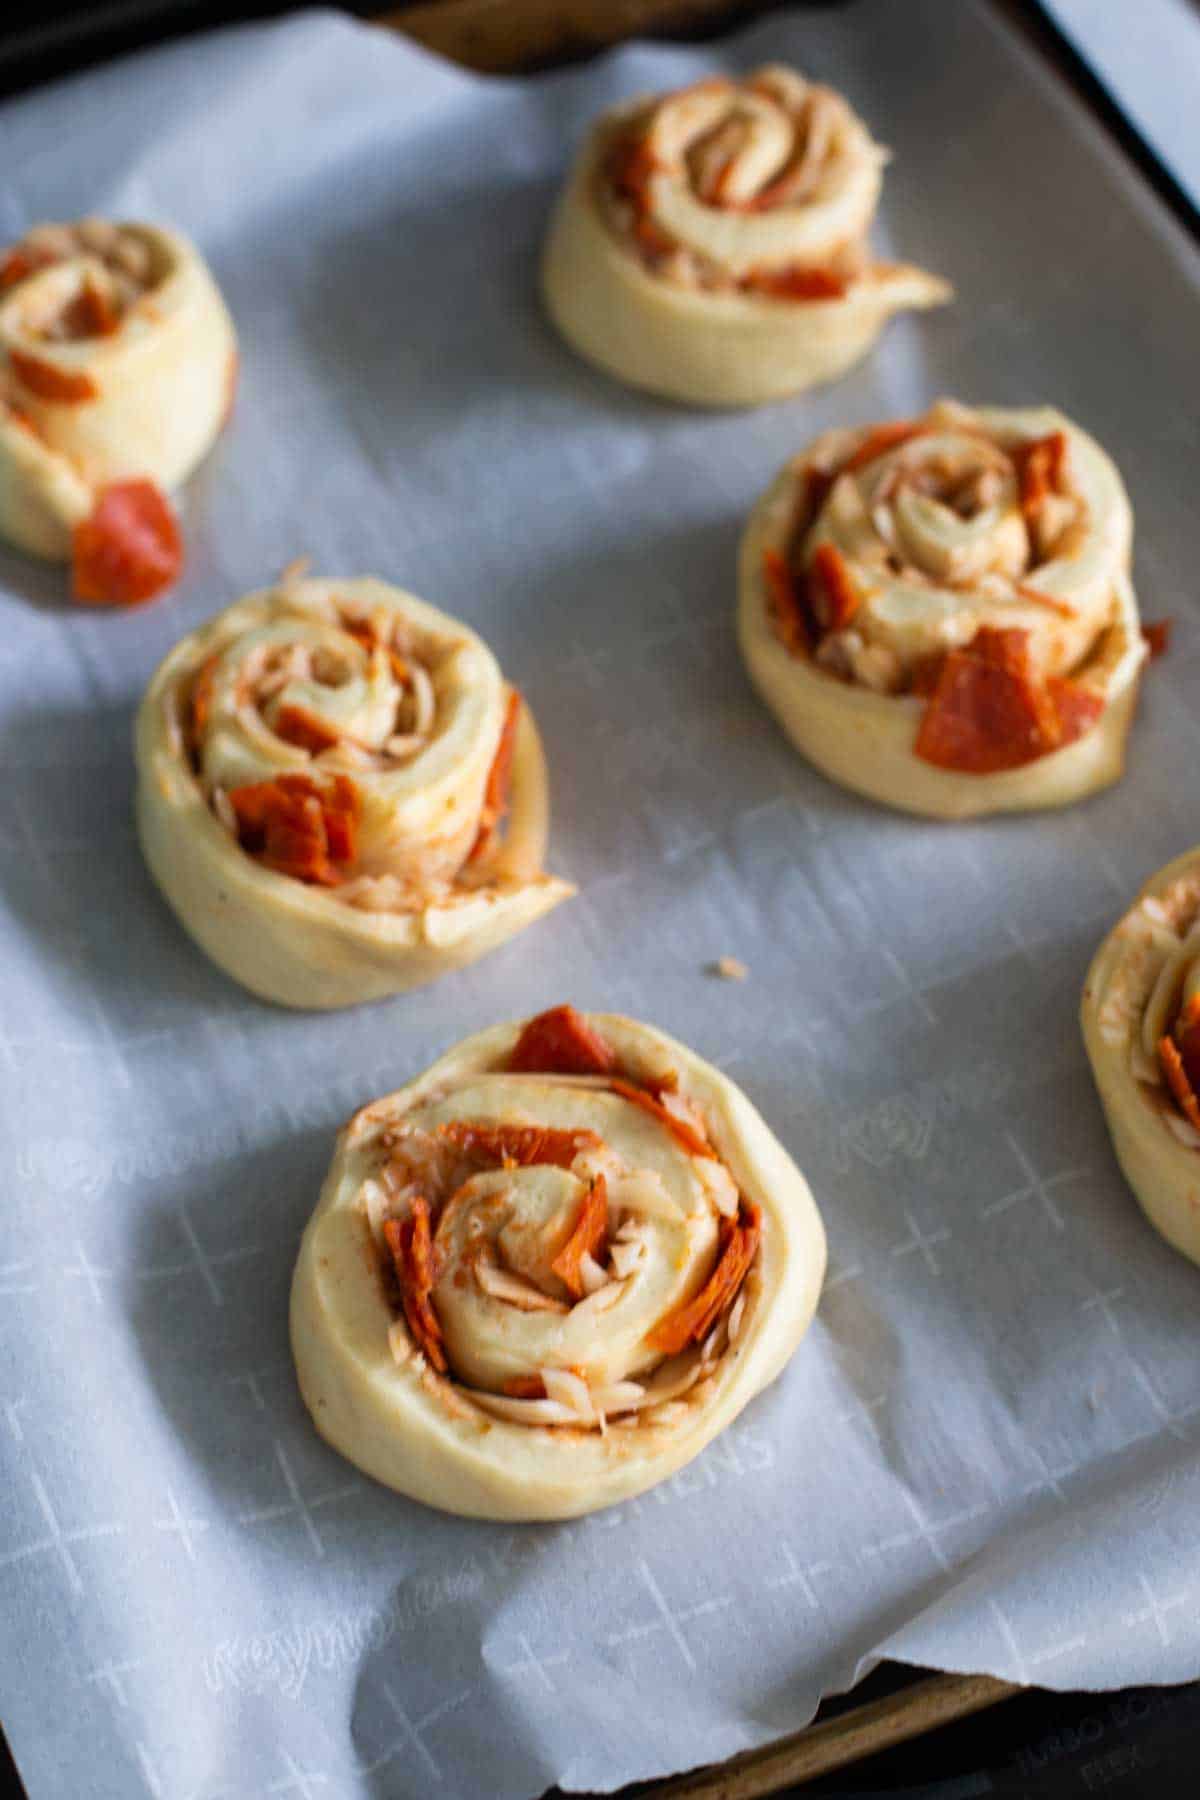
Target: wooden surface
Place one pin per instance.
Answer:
(503, 36)
(839, 1742)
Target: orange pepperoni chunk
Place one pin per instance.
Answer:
(63, 387)
(689, 1323)
(561, 1042)
(495, 794)
(299, 829)
(832, 596)
(587, 1238)
(989, 711)
(796, 284)
(129, 549)
(410, 1242)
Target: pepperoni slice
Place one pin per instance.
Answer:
(129, 549)
(561, 1042)
(587, 1238)
(1040, 468)
(796, 284)
(687, 1324)
(878, 441)
(989, 711)
(64, 387)
(693, 1141)
(495, 794)
(296, 725)
(518, 1146)
(1179, 1081)
(297, 828)
(786, 607)
(832, 596)
(1158, 638)
(200, 701)
(410, 1242)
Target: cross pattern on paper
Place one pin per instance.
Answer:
(413, 1732)
(1023, 1664)
(296, 1506)
(1170, 1418)
(112, 1675)
(1051, 1478)
(1037, 1187)
(907, 984)
(200, 1262)
(795, 1576)
(56, 1538)
(252, 1380)
(538, 1666)
(187, 1530)
(923, 1532)
(296, 1780)
(666, 1620)
(1156, 1610)
(922, 1241)
(869, 1407)
(850, 1272)
(12, 1410)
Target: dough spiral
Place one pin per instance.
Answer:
(545, 1274)
(118, 364)
(940, 614)
(1141, 1027)
(711, 245)
(324, 772)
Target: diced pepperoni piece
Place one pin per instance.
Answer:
(1179, 1081)
(832, 596)
(297, 828)
(410, 1242)
(129, 549)
(692, 1140)
(1040, 469)
(495, 794)
(200, 701)
(64, 387)
(784, 602)
(989, 711)
(518, 1146)
(587, 1238)
(878, 441)
(525, 1387)
(89, 314)
(1158, 638)
(1187, 1037)
(796, 284)
(689, 1323)
(561, 1042)
(297, 725)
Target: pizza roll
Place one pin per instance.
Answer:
(1141, 1026)
(711, 245)
(118, 364)
(541, 1277)
(939, 610)
(324, 771)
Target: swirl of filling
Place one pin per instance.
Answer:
(1141, 1026)
(343, 742)
(585, 1253)
(940, 609)
(117, 370)
(736, 214)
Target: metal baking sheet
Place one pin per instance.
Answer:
(984, 1455)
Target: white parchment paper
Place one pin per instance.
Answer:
(984, 1455)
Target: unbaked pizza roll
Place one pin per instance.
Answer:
(541, 1277)
(940, 614)
(118, 364)
(324, 774)
(1141, 1026)
(711, 245)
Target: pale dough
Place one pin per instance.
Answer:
(308, 946)
(163, 383)
(724, 345)
(425, 1435)
(863, 738)
(1144, 965)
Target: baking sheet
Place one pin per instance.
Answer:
(984, 1455)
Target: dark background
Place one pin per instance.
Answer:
(1143, 1744)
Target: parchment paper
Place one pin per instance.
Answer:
(984, 1455)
